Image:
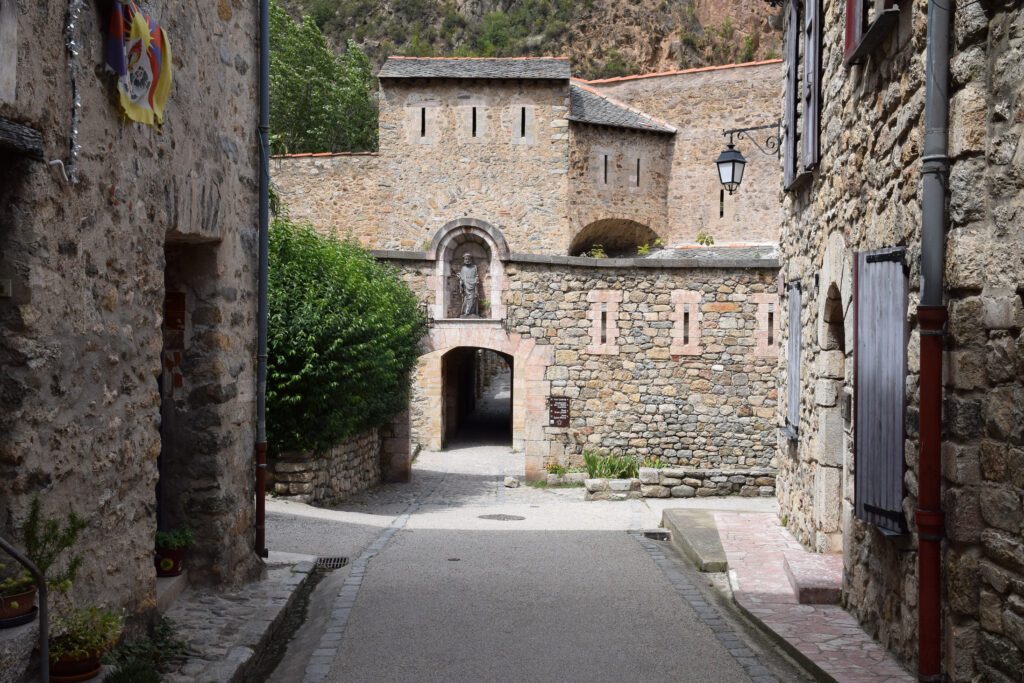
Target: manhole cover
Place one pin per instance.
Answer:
(503, 518)
(331, 562)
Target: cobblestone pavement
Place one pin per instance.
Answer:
(464, 579)
(755, 545)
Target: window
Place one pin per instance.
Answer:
(767, 331)
(522, 122)
(604, 323)
(721, 203)
(880, 371)
(686, 321)
(792, 428)
(605, 169)
(802, 117)
(603, 316)
(474, 121)
(423, 122)
(638, 172)
(868, 22)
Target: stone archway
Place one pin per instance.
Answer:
(530, 388)
(617, 236)
(487, 247)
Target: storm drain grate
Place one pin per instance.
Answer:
(503, 518)
(331, 562)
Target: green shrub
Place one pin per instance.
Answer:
(140, 659)
(45, 539)
(610, 466)
(83, 633)
(342, 341)
(555, 468)
(656, 463)
(176, 539)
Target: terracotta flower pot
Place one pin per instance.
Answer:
(18, 605)
(71, 669)
(169, 562)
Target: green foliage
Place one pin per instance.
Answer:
(610, 466)
(343, 339)
(643, 250)
(597, 251)
(749, 48)
(178, 538)
(658, 243)
(319, 102)
(83, 633)
(45, 540)
(615, 65)
(140, 659)
(556, 468)
(705, 239)
(656, 463)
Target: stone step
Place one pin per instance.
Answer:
(816, 578)
(168, 588)
(695, 534)
(16, 645)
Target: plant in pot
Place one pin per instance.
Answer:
(45, 539)
(78, 641)
(170, 550)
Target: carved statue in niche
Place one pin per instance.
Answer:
(469, 286)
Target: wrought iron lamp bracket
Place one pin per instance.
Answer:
(772, 143)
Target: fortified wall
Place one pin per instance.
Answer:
(512, 169)
(127, 316)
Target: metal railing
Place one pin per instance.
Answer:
(44, 617)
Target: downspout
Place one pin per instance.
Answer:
(931, 314)
(261, 316)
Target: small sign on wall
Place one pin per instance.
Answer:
(8, 49)
(558, 411)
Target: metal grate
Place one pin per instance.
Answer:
(331, 562)
(503, 518)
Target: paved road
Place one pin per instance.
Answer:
(558, 590)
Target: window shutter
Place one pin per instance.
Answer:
(880, 358)
(812, 84)
(793, 360)
(792, 57)
(854, 27)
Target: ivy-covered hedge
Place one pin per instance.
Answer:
(342, 340)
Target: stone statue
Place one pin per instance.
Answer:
(469, 283)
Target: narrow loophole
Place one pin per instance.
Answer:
(771, 324)
(423, 122)
(474, 121)
(522, 122)
(686, 323)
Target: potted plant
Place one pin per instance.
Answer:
(45, 539)
(79, 640)
(170, 550)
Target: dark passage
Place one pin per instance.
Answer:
(477, 395)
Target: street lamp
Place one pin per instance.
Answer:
(731, 162)
(730, 167)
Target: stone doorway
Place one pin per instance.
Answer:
(476, 397)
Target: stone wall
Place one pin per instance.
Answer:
(81, 334)
(681, 482)
(328, 478)
(700, 103)
(621, 202)
(866, 195)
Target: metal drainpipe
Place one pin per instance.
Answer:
(261, 317)
(931, 315)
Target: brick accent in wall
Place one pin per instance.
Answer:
(767, 332)
(686, 323)
(603, 316)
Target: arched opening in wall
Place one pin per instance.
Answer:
(835, 334)
(616, 237)
(476, 397)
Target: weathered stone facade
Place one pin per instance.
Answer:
(327, 478)
(866, 195)
(84, 340)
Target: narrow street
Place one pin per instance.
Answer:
(455, 577)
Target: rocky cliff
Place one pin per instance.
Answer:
(603, 37)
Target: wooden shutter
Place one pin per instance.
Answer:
(880, 358)
(812, 84)
(793, 361)
(789, 152)
(855, 16)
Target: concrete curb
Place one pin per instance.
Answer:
(695, 535)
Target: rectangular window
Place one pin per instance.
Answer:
(880, 374)
(686, 319)
(638, 173)
(423, 122)
(721, 203)
(686, 324)
(793, 361)
(771, 324)
(604, 323)
(868, 22)
(474, 121)
(605, 169)
(522, 122)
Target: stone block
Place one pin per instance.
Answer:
(827, 498)
(826, 392)
(654, 491)
(670, 481)
(649, 475)
(831, 364)
(595, 485)
(1001, 507)
(674, 472)
(960, 464)
(623, 485)
(967, 370)
(1003, 311)
(831, 438)
(683, 491)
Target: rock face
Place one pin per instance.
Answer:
(129, 332)
(854, 202)
(330, 477)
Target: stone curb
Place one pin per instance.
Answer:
(695, 535)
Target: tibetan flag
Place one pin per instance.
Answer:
(139, 53)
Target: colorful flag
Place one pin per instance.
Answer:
(139, 53)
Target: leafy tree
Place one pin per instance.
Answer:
(342, 341)
(319, 102)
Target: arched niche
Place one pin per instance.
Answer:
(618, 237)
(488, 250)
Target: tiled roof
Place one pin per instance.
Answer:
(588, 106)
(680, 72)
(496, 68)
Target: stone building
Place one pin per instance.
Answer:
(665, 350)
(128, 294)
(851, 250)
